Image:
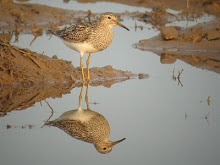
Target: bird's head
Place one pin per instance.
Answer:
(106, 147)
(111, 19)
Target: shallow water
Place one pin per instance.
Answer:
(163, 122)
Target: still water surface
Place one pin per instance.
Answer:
(163, 122)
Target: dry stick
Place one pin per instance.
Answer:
(178, 77)
(35, 37)
(174, 77)
(15, 47)
(33, 60)
(187, 15)
(206, 117)
(52, 111)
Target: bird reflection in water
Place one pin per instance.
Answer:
(86, 125)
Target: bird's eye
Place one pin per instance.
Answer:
(109, 17)
(104, 148)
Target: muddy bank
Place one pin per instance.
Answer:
(21, 97)
(35, 18)
(198, 45)
(191, 6)
(20, 66)
(27, 18)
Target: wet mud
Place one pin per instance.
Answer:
(191, 6)
(198, 45)
(20, 66)
(21, 97)
(29, 18)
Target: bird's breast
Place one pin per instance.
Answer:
(78, 115)
(82, 48)
(101, 38)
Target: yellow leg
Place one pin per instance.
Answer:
(87, 63)
(86, 97)
(81, 65)
(81, 92)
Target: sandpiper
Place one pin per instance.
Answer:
(89, 37)
(86, 125)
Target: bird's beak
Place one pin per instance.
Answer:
(119, 24)
(116, 142)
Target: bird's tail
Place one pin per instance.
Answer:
(50, 123)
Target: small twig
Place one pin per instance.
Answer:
(52, 111)
(178, 77)
(32, 59)
(206, 117)
(16, 48)
(174, 77)
(187, 5)
(179, 73)
(35, 37)
(186, 116)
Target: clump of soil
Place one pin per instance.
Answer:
(169, 33)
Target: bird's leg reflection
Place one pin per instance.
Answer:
(86, 97)
(86, 125)
(81, 93)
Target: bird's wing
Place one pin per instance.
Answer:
(74, 128)
(75, 33)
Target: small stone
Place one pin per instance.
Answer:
(143, 41)
(197, 39)
(54, 57)
(8, 126)
(169, 33)
(109, 67)
(213, 35)
(143, 76)
(168, 59)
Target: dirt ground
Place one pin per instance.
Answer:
(24, 67)
(198, 45)
(194, 6)
(27, 77)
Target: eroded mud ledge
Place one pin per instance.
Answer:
(20, 66)
(198, 45)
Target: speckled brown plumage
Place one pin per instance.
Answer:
(89, 37)
(96, 130)
(88, 126)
